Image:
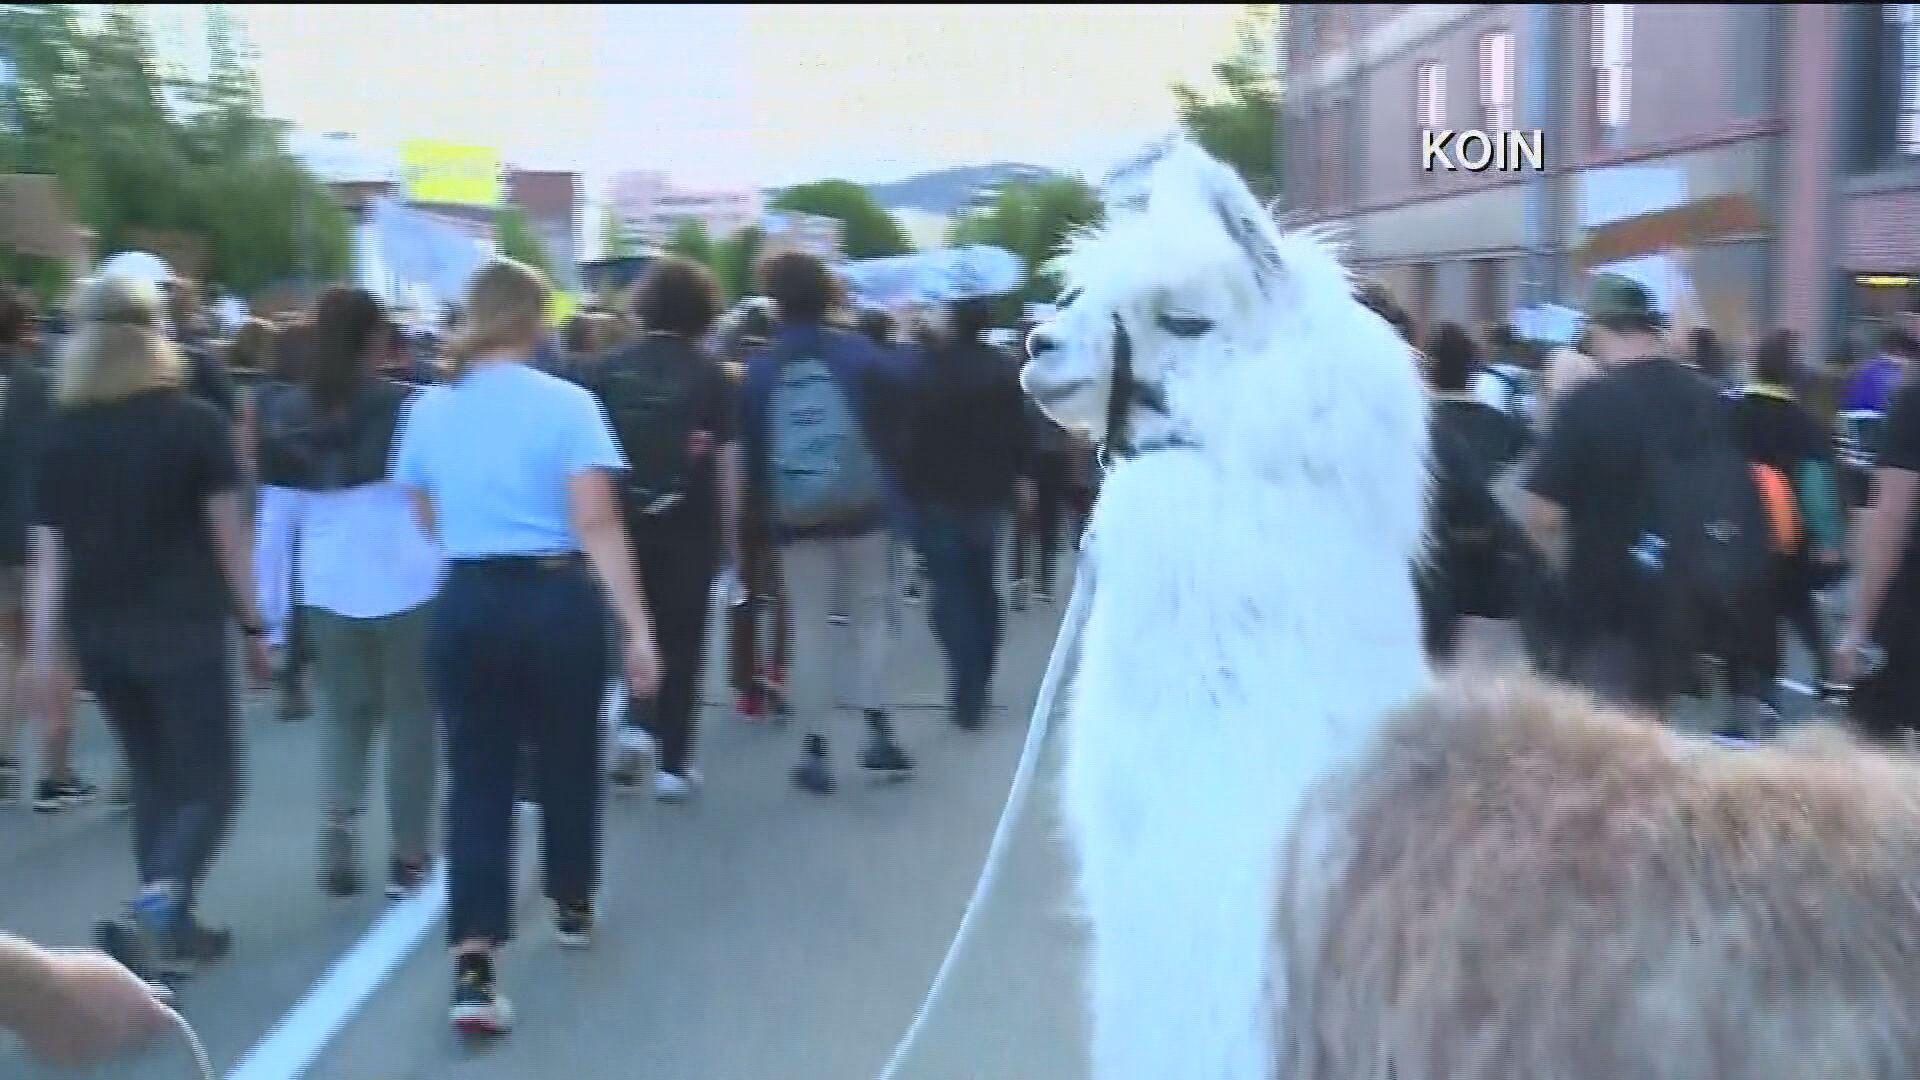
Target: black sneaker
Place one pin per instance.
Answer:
(59, 793)
(478, 1006)
(404, 878)
(813, 773)
(10, 780)
(339, 859)
(126, 946)
(883, 757)
(573, 923)
(197, 944)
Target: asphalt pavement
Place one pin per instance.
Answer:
(756, 931)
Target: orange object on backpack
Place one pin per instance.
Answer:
(1783, 510)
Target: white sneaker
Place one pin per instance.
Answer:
(669, 788)
(631, 759)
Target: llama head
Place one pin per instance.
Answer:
(1188, 312)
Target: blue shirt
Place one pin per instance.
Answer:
(495, 451)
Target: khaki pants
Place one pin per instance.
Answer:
(372, 673)
(858, 574)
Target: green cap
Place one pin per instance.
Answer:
(1616, 296)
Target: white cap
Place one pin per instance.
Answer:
(140, 266)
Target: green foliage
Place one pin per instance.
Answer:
(615, 241)
(735, 262)
(514, 233)
(1239, 126)
(136, 153)
(867, 230)
(690, 241)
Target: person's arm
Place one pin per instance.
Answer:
(73, 1009)
(46, 570)
(233, 546)
(603, 537)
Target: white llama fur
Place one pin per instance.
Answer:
(1254, 614)
(1495, 881)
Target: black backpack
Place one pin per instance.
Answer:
(651, 394)
(1701, 558)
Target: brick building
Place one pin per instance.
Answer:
(1799, 110)
(553, 203)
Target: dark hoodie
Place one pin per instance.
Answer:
(970, 437)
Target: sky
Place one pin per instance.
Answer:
(746, 95)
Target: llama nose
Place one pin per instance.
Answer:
(1038, 342)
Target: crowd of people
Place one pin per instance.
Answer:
(463, 543)
(1659, 518)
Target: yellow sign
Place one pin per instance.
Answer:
(456, 174)
(561, 307)
(1887, 281)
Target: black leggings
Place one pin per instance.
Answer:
(167, 692)
(676, 571)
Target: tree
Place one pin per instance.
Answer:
(140, 157)
(690, 241)
(616, 242)
(1240, 126)
(518, 241)
(735, 262)
(867, 230)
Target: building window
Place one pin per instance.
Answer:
(1905, 27)
(1612, 68)
(1496, 81)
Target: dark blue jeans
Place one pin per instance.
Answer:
(166, 688)
(959, 548)
(519, 656)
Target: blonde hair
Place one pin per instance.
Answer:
(506, 308)
(119, 348)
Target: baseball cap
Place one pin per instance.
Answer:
(1616, 296)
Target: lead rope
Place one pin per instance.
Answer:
(1037, 728)
(192, 1039)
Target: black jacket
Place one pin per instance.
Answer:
(969, 436)
(23, 426)
(302, 448)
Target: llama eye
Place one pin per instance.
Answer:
(1185, 325)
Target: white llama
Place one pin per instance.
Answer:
(1497, 880)
(1253, 613)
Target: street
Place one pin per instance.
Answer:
(757, 931)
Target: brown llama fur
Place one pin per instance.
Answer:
(1515, 883)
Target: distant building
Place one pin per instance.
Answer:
(1808, 113)
(650, 208)
(553, 204)
(818, 236)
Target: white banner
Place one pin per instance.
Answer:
(975, 272)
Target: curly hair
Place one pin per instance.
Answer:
(800, 285)
(677, 296)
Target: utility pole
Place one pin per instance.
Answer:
(1542, 109)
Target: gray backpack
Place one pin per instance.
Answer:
(823, 470)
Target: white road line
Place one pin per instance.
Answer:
(1797, 687)
(291, 1048)
(293, 1044)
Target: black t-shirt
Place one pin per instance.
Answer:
(715, 422)
(126, 487)
(1592, 465)
(208, 379)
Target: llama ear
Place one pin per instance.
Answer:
(1236, 216)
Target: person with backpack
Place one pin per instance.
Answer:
(821, 417)
(1472, 563)
(1865, 398)
(367, 575)
(673, 414)
(1666, 540)
(968, 444)
(1792, 456)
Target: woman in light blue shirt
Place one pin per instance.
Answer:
(510, 467)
